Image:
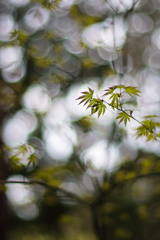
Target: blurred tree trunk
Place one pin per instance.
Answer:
(99, 228)
(3, 204)
(4, 216)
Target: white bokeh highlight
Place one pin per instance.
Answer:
(22, 198)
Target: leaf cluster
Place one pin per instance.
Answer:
(96, 104)
(25, 153)
(148, 128)
(81, 18)
(19, 37)
(115, 97)
(123, 116)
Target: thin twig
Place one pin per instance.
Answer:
(131, 9)
(114, 10)
(65, 71)
(136, 177)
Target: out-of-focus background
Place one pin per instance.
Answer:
(104, 183)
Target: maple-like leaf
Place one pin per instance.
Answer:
(115, 98)
(110, 90)
(97, 105)
(132, 91)
(150, 116)
(86, 97)
(123, 117)
(32, 159)
(148, 128)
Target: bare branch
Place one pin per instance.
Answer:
(131, 9)
(55, 189)
(63, 70)
(114, 10)
(152, 174)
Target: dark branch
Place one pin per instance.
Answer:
(114, 10)
(131, 9)
(55, 189)
(63, 70)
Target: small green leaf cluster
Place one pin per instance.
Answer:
(123, 116)
(115, 97)
(148, 126)
(19, 156)
(82, 18)
(19, 37)
(96, 104)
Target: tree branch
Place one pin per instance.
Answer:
(55, 189)
(136, 177)
(131, 9)
(63, 70)
(114, 10)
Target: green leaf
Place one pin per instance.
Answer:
(21, 36)
(15, 163)
(132, 91)
(142, 131)
(152, 137)
(114, 102)
(150, 116)
(97, 105)
(123, 117)
(86, 97)
(147, 129)
(128, 89)
(22, 149)
(14, 34)
(110, 90)
(150, 125)
(32, 159)
(8, 148)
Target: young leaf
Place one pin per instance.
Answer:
(142, 131)
(14, 34)
(123, 117)
(15, 163)
(150, 125)
(86, 97)
(150, 116)
(114, 101)
(97, 105)
(132, 91)
(148, 128)
(32, 159)
(110, 90)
